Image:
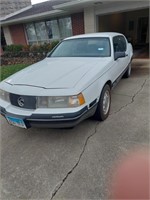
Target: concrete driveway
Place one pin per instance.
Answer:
(76, 163)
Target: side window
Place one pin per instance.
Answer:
(122, 43)
(116, 44)
(119, 44)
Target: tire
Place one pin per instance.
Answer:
(104, 103)
(127, 74)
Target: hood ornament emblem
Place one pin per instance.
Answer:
(20, 101)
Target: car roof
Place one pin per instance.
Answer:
(98, 34)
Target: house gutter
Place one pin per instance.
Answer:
(76, 3)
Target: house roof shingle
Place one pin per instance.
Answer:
(38, 8)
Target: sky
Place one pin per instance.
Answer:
(37, 1)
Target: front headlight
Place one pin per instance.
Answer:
(4, 95)
(60, 101)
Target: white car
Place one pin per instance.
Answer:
(72, 83)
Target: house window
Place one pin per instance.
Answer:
(53, 29)
(31, 34)
(41, 31)
(45, 31)
(65, 27)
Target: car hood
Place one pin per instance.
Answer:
(55, 73)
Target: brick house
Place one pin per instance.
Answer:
(55, 20)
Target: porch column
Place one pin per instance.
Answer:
(7, 35)
(89, 20)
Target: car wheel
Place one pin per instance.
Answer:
(103, 107)
(128, 72)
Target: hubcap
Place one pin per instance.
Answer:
(106, 102)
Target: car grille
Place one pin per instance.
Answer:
(22, 101)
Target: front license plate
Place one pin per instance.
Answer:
(16, 122)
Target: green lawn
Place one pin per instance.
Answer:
(8, 70)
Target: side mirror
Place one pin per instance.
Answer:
(119, 55)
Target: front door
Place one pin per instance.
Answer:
(120, 45)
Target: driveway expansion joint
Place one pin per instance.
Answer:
(132, 99)
(60, 184)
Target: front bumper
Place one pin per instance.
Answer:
(52, 120)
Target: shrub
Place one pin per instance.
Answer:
(13, 48)
(26, 48)
(34, 48)
(43, 48)
(37, 51)
(54, 43)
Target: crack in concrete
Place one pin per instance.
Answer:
(132, 99)
(57, 188)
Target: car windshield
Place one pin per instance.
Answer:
(83, 47)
